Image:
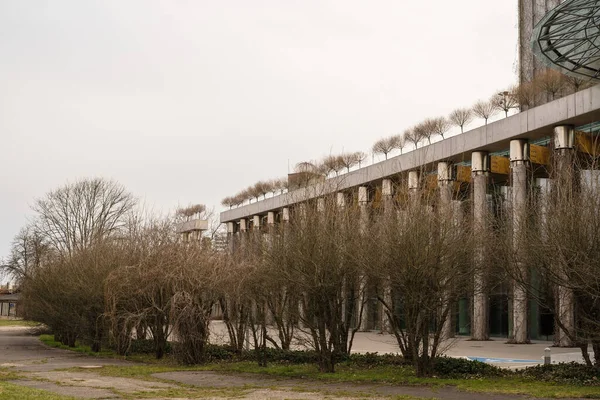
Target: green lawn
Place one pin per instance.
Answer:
(48, 340)
(16, 322)
(345, 372)
(384, 374)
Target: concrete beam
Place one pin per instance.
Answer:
(576, 109)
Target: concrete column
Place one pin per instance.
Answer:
(362, 196)
(321, 204)
(445, 205)
(256, 222)
(362, 203)
(285, 214)
(387, 199)
(363, 280)
(445, 183)
(519, 155)
(480, 170)
(230, 237)
(564, 152)
(340, 199)
(243, 225)
(413, 184)
(270, 218)
(386, 188)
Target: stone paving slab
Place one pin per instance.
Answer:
(91, 380)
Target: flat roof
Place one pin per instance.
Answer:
(536, 123)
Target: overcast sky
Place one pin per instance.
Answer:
(191, 101)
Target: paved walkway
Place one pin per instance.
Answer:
(495, 351)
(44, 368)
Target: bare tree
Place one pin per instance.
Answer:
(525, 94)
(577, 84)
(333, 163)
(78, 215)
(140, 292)
(318, 256)
(384, 146)
(190, 212)
(262, 188)
(399, 141)
(505, 101)
(461, 117)
(195, 279)
(421, 253)
(561, 245)
(360, 157)
(29, 250)
(426, 129)
(229, 202)
(484, 109)
(348, 160)
(550, 81)
(414, 135)
(440, 126)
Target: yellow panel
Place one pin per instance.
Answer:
(463, 173)
(585, 143)
(539, 154)
(500, 165)
(377, 198)
(456, 186)
(431, 181)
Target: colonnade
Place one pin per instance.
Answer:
(519, 178)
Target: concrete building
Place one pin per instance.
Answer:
(192, 229)
(493, 165)
(10, 305)
(530, 13)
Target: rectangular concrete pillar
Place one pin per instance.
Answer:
(256, 222)
(285, 214)
(243, 225)
(363, 280)
(446, 206)
(413, 180)
(564, 159)
(230, 237)
(518, 162)
(386, 187)
(362, 195)
(340, 199)
(480, 170)
(270, 218)
(321, 205)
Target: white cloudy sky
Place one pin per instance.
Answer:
(190, 101)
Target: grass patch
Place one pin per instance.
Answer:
(186, 393)
(478, 378)
(48, 340)
(7, 374)
(17, 322)
(10, 391)
(392, 375)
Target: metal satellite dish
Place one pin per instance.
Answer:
(568, 38)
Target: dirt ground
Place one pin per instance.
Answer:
(41, 367)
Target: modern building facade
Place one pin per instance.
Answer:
(531, 13)
(492, 167)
